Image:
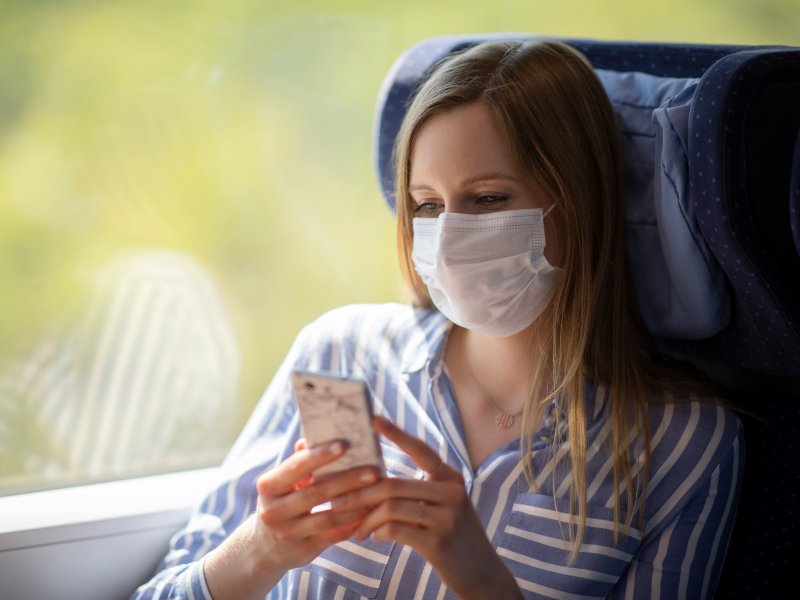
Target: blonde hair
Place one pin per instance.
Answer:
(561, 131)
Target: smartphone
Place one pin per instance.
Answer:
(333, 407)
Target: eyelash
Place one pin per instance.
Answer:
(492, 199)
(426, 207)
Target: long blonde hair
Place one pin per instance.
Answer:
(561, 131)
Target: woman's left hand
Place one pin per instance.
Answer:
(436, 518)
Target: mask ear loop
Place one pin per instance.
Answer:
(547, 212)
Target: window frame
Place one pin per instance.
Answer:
(100, 540)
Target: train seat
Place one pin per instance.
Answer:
(711, 141)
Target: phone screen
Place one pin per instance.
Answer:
(337, 408)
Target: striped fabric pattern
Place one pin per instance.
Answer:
(678, 552)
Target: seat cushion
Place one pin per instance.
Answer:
(679, 284)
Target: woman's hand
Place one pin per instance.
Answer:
(287, 495)
(436, 518)
(285, 532)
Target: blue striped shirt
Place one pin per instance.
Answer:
(696, 466)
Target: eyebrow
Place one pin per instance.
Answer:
(472, 180)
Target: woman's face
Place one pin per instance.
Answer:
(460, 163)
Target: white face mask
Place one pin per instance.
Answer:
(487, 272)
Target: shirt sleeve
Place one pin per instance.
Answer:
(685, 557)
(268, 437)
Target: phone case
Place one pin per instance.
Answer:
(334, 407)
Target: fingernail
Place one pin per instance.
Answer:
(336, 448)
(367, 477)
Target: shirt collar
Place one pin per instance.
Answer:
(426, 347)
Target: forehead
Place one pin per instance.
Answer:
(458, 142)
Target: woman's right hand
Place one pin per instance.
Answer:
(287, 495)
(284, 533)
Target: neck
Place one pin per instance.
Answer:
(498, 369)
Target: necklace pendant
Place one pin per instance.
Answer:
(503, 420)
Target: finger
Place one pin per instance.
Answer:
(302, 500)
(308, 526)
(422, 454)
(322, 540)
(412, 513)
(298, 468)
(408, 535)
(298, 446)
(394, 488)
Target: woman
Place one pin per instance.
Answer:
(537, 449)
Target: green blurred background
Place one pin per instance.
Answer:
(239, 132)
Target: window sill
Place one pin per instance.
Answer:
(94, 541)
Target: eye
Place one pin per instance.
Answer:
(428, 209)
(491, 201)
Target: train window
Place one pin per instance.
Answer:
(184, 185)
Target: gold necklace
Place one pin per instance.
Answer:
(503, 420)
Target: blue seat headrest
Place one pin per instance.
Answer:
(687, 265)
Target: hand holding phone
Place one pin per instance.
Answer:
(337, 408)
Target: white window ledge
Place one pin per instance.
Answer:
(95, 541)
